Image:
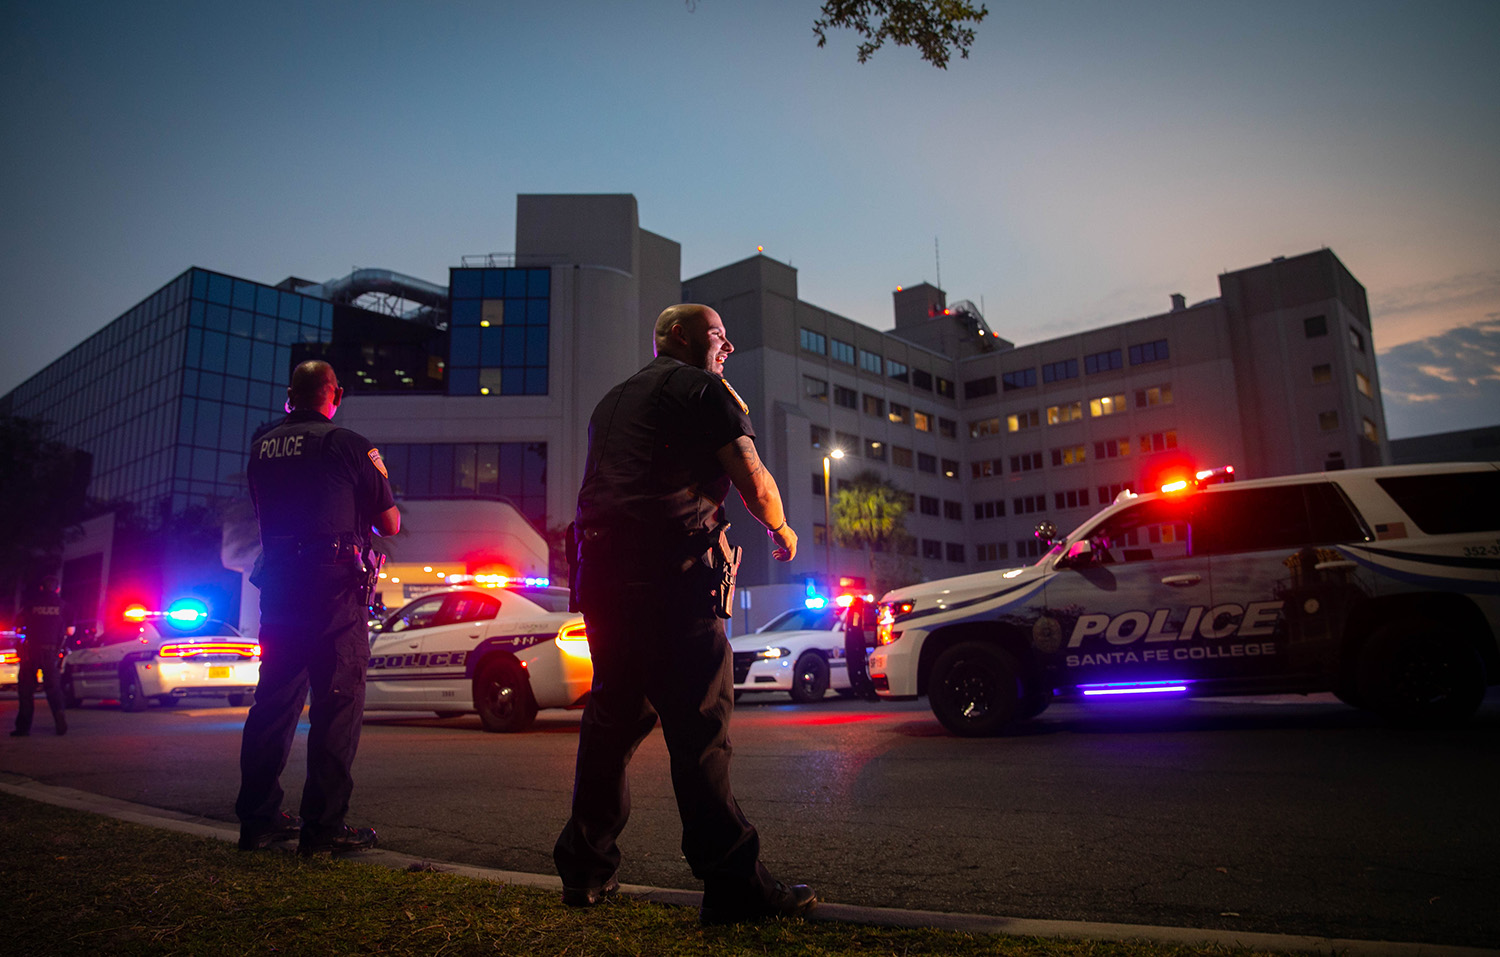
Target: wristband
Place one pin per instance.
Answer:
(773, 531)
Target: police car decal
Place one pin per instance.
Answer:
(448, 659)
(1012, 595)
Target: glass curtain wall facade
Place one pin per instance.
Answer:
(166, 396)
(515, 471)
(498, 333)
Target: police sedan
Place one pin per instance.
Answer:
(500, 652)
(163, 656)
(800, 651)
(10, 660)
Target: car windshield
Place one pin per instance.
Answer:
(804, 619)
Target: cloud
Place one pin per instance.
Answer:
(1407, 314)
(1445, 382)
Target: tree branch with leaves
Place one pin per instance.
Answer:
(936, 28)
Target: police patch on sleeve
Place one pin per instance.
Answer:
(743, 407)
(375, 460)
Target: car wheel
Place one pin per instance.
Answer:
(502, 696)
(1418, 672)
(975, 689)
(810, 678)
(132, 698)
(450, 714)
(241, 700)
(70, 700)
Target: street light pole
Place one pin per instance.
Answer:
(828, 518)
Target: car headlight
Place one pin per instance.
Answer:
(773, 653)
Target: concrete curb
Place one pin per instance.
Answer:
(874, 916)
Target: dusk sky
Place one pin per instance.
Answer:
(1088, 160)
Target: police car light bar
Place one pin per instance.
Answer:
(1133, 687)
(499, 581)
(186, 611)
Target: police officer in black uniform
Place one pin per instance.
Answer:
(318, 491)
(45, 622)
(664, 448)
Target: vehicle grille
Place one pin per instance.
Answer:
(742, 662)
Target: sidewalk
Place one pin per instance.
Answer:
(884, 917)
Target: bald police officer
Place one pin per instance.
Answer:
(665, 446)
(44, 622)
(318, 490)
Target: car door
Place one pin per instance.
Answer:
(1125, 608)
(444, 683)
(1281, 591)
(394, 675)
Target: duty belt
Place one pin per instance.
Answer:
(330, 550)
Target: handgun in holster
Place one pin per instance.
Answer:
(370, 564)
(726, 564)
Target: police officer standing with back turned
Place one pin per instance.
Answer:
(664, 448)
(318, 491)
(45, 622)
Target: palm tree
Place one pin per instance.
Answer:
(870, 513)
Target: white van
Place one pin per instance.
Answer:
(1381, 585)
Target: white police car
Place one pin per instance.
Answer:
(163, 656)
(1381, 585)
(800, 651)
(503, 652)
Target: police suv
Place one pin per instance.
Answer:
(1381, 585)
(501, 652)
(163, 656)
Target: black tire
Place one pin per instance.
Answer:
(450, 714)
(1421, 672)
(241, 700)
(70, 700)
(132, 698)
(167, 701)
(809, 678)
(975, 689)
(502, 696)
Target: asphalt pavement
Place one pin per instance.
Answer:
(1298, 821)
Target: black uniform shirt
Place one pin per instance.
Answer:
(653, 441)
(312, 480)
(45, 619)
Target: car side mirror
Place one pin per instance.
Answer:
(1079, 554)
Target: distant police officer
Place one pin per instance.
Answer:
(664, 448)
(44, 620)
(318, 491)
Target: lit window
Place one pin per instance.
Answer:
(921, 421)
(1362, 383)
(1023, 420)
(1067, 412)
(1322, 374)
(1106, 405)
(1370, 431)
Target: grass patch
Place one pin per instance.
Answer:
(85, 884)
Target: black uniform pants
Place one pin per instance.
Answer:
(43, 659)
(313, 637)
(658, 651)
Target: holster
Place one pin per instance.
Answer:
(726, 565)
